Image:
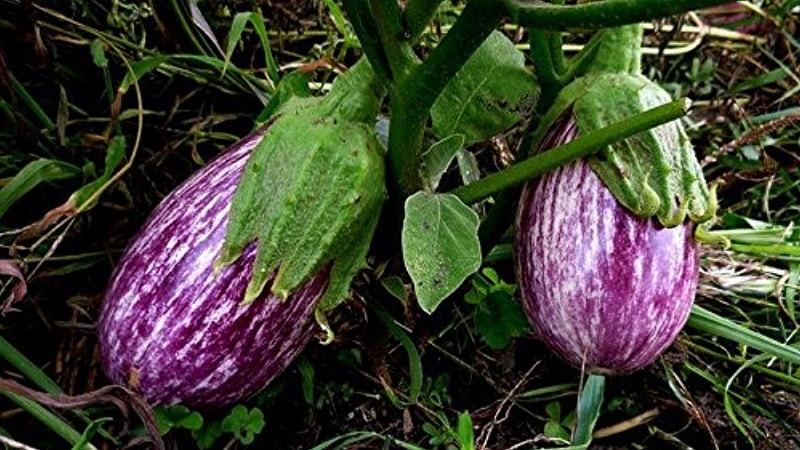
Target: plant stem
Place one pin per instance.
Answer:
(413, 96)
(394, 37)
(578, 148)
(545, 65)
(418, 14)
(593, 15)
(618, 50)
(360, 15)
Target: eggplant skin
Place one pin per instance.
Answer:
(173, 331)
(606, 290)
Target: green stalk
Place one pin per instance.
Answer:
(563, 154)
(395, 39)
(705, 320)
(545, 66)
(413, 96)
(618, 51)
(360, 14)
(418, 14)
(556, 43)
(594, 15)
(52, 421)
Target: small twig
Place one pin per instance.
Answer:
(487, 430)
(105, 394)
(522, 444)
(626, 425)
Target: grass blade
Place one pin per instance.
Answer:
(34, 173)
(414, 360)
(52, 421)
(705, 320)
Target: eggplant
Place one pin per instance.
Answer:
(173, 330)
(606, 290)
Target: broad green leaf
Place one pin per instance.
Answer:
(34, 173)
(488, 95)
(437, 158)
(440, 245)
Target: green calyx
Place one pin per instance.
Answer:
(615, 50)
(655, 173)
(310, 195)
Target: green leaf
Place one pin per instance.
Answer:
(395, 286)
(86, 197)
(440, 245)
(34, 173)
(468, 166)
(98, 54)
(307, 374)
(207, 436)
(235, 34)
(710, 322)
(437, 158)
(466, 435)
(553, 410)
(177, 416)
(499, 319)
(293, 84)
(488, 95)
(555, 430)
(414, 360)
(236, 419)
(140, 68)
(591, 399)
(91, 430)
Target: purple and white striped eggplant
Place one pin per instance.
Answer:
(606, 290)
(175, 332)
